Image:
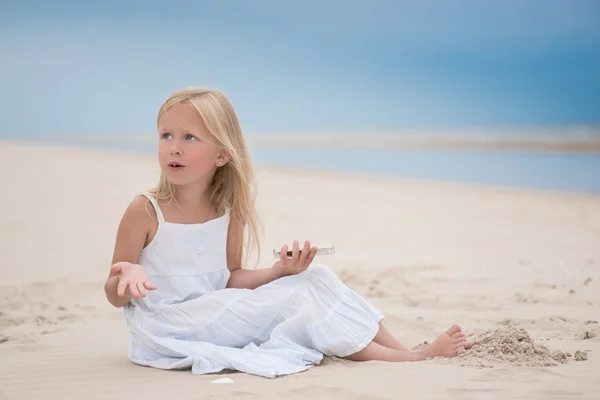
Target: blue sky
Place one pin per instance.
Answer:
(77, 67)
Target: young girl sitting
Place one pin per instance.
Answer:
(177, 267)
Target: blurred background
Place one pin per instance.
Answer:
(492, 92)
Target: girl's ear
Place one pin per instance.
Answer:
(223, 157)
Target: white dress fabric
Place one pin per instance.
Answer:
(193, 321)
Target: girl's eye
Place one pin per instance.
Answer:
(168, 135)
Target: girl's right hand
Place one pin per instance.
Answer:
(298, 262)
(132, 277)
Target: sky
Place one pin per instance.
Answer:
(95, 68)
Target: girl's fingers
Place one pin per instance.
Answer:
(304, 253)
(134, 291)
(121, 288)
(141, 289)
(295, 252)
(115, 269)
(149, 285)
(283, 255)
(311, 255)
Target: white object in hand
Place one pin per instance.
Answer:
(322, 250)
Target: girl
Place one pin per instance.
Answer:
(177, 267)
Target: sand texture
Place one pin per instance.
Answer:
(519, 270)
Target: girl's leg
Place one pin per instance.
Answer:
(385, 338)
(447, 345)
(376, 352)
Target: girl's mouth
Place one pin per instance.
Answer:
(175, 166)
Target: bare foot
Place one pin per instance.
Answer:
(448, 344)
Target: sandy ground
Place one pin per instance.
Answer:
(519, 270)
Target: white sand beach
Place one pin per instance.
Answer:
(518, 269)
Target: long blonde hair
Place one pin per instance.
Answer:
(233, 184)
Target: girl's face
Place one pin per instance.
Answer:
(186, 150)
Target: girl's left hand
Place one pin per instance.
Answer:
(299, 261)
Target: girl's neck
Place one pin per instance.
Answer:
(192, 196)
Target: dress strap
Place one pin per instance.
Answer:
(159, 213)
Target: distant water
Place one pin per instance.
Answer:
(572, 172)
(562, 171)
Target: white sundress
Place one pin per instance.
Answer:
(193, 321)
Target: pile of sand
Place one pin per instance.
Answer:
(512, 345)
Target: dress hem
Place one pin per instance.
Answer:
(365, 342)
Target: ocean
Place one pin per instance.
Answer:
(562, 171)
(577, 172)
(566, 171)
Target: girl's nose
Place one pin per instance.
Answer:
(175, 149)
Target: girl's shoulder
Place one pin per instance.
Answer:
(141, 209)
(136, 229)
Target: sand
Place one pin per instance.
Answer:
(517, 269)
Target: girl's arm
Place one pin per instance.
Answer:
(244, 278)
(251, 278)
(131, 238)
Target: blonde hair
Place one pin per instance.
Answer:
(233, 183)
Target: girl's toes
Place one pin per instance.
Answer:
(460, 345)
(453, 329)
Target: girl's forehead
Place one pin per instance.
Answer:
(183, 116)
